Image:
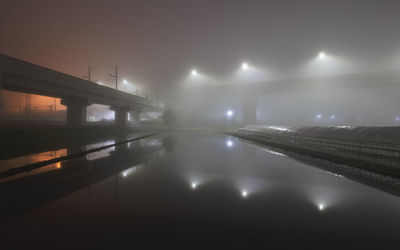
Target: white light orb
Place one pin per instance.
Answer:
(244, 193)
(124, 81)
(229, 113)
(194, 185)
(245, 66)
(194, 72)
(321, 55)
(319, 116)
(321, 207)
(229, 143)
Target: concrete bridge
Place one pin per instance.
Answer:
(75, 93)
(249, 93)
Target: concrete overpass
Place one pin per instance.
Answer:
(75, 93)
(249, 93)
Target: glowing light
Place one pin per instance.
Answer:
(333, 116)
(397, 118)
(124, 174)
(321, 206)
(58, 165)
(245, 66)
(319, 116)
(279, 128)
(229, 143)
(124, 81)
(321, 55)
(244, 193)
(194, 72)
(229, 113)
(100, 83)
(194, 185)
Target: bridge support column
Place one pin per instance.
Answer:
(249, 106)
(76, 111)
(121, 118)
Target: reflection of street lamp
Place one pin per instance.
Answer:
(229, 143)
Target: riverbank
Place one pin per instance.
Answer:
(375, 149)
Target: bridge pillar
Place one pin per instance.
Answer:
(121, 118)
(249, 109)
(76, 111)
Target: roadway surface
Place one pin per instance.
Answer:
(195, 190)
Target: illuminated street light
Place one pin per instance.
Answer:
(321, 207)
(229, 143)
(194, 72)
(194, 185)
(397, 118)
(124, 81)
(244, 194)
(321, 55)
(245, 66)
(229, 113)
(319, 116)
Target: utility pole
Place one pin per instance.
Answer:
(115, 77)
(88, 77)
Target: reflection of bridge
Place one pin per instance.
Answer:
(24, 194)
(75, 93)
(249, 93)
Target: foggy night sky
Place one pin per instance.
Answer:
(157, 42)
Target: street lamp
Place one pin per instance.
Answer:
(124, 81)
(321, 55)
(194, 72)
(245, 66)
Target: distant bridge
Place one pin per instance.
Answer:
(75, 93)
(250, 92)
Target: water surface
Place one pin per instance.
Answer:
(196, 190)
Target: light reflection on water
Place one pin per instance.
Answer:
(28, 159)
(200, 180)
(100, 154)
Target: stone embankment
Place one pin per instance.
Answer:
(375, 149)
